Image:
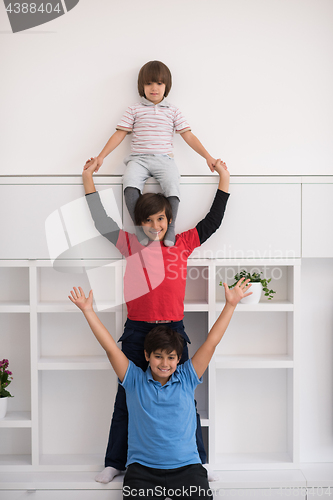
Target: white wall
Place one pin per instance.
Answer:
(253, 77)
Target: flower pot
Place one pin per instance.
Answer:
(256, 290)
(3, 407)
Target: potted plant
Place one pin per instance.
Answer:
(258, 284)
(5, 380)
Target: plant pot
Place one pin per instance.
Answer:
(3, 407)
(256, 290)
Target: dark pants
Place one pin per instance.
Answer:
(132, 346)
(188, 482)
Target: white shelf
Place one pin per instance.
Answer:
(319, 475)
(74, 363)
(57, 481)
(204, 418)
(266, 361)
(253, 460)
(67, 462)
(9, 461)
(48, 306)
(61, 307)
(11, 307)
(196, 305)
(273, 306)
(16, 419)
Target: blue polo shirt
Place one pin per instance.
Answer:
(162, 419)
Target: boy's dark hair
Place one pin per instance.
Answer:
(164, 338)
(150, 204)
(154, 71)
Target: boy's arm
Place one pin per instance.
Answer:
(204, 354)
(196, 145)
(87, 176)
(116, 357)
(103, 223)
(207, 226)
(112, 143)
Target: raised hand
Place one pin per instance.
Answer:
(238, 292)
(219, 165)
(80, 300)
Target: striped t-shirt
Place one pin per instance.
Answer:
(153, 126)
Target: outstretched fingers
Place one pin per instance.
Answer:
(76, 294)
(244, 286)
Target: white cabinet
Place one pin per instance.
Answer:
(15, 428)
(253, 377)
(61, 376)
(49, 221)
(46, 221)
(64, 387)
(61, 495)
(262, 218)
(262, 493)
(317, 217)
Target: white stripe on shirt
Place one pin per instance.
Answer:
(153, 126)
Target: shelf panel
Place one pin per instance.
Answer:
(14, 307)
(203, 418)
(28, 480)
(245, 461)
(195, 305)
(265, 361)
(74, 363)
(14, 460)
(68, 462)
(274, 306)
(61, 307)
(16, 419)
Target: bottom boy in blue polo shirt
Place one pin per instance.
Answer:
(163, 459)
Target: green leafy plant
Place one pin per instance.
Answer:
(254, 278)
(5, 379)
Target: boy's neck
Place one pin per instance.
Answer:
(163, 381)
(154, 103)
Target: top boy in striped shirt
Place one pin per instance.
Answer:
(152, 123)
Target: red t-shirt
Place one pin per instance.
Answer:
(159, 271)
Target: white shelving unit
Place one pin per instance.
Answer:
(55, 432)
(60, 359)
(257, 358)
(255, 368)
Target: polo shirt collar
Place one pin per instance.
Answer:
(162, 104)
(174, 377)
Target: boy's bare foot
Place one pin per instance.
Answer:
(107, 474)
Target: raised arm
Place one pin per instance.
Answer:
(104, 224)
(116, 357)
(207, 226)
(224, 175)
(87, 176)
(204, 354)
